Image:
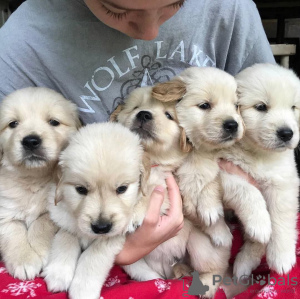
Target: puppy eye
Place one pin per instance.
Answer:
(236, 106)
(81, 190)
(168, 115)
(204, 106)
(54, 122)
(13, 124)
(261, 107)
(121, 189)
(293, 107)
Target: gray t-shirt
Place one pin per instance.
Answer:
(60, 44)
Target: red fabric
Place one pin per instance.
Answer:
(119, 286)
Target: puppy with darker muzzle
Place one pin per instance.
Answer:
(156, 124)
(164, 141)
(35, 125)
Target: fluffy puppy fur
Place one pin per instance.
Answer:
(269, 99)
(206, 107)
(157, 125)
(35, 124)
(102, 174)
(164, 141)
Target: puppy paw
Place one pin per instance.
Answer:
(219, 233)
(210, 215)
(281, 260)
(242, 268)
(82, 289)
(223, 239)
(58, 277)
(248, 259)
(25, 266)
(181, 270)
(259, 227)
(208, 289)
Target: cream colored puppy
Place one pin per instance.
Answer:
(207, 111)
(102, 173)
(35, 124)
(269, 98)
(164, 141)
(156, 124)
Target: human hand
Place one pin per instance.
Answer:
(231, 168)
(156, 228)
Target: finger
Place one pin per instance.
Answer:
(231, 168)
(174, 197)
(156, 201)
(224, 165)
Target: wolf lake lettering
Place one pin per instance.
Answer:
(130, 59)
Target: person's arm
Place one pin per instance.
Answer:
(155, 228)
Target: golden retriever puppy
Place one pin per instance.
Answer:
(156, 124)
(35, 124)
(164, 141)
(206, 107)
(269, 99)
(102, 175)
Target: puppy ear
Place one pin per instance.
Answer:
(58, 193)
(244, 126)
(75, 115)
(58, 180)
(114, 116)
(145, 172)
(79, 123)
(185, 144)
(169, 91)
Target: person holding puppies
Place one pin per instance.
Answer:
(96, 52)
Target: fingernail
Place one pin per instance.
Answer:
(160, 189)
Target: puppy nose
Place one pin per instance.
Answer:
(101, 227)
(285, 134)
(230, 126)
(144, 116)
(31, 142)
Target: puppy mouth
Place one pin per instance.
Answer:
(33, 157)
(230, 130)
(229, 138)
(272, 145)
(144, 130)
(282, 146)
